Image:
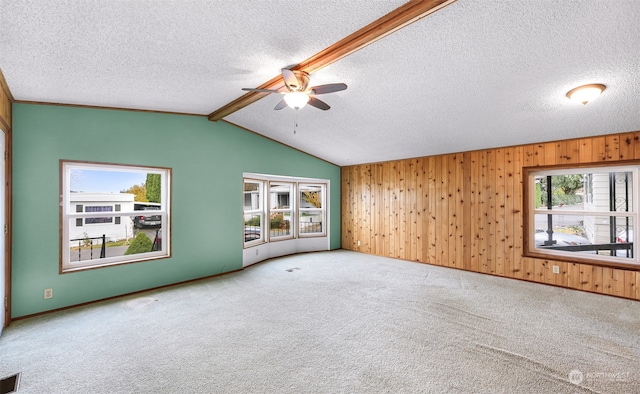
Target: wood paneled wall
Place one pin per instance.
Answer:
(6, 100)
(465, 211)
(5, 103)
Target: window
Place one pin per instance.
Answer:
(253, 214)
(100, 219)
(281, 212)
(294, 209)
(100, 214)
(311, 210)
(583, 214)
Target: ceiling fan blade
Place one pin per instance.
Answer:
(280, 105)
(314, 102)
(329, 88)
(290, 79)
(260, 90)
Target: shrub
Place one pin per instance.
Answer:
(140, 244)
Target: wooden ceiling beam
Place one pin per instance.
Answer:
(393, 21)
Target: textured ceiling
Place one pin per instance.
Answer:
(476, 74)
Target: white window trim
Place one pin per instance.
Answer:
(259, 211)
(291, 210)
(607, 261)
(323, 210)
(68, 215)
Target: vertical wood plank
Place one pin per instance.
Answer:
(432, 208)
(636, 144)
(475, 213)
(586, 150)
(366, 210)
(572, 151)
(626, 146)
(443, 218)
(596, 279)
(612, 148)
(573, 276)
(491, 212)
(528, 269)
(402, 203)
(550, 153)
(598, 149)
(452, 169)
(484, 197)
(386, 209)
(459, 212)
(618, 283)
(608, 286)
(467, 205)
(500, 201)
(629, 284)
(518, 241)
(420, 211)
(413, 210)
(586, 281)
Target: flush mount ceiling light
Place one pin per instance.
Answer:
(585, 93)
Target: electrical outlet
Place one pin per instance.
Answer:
(358, 243)
(556, 269)
(48, 293)
(257, 252)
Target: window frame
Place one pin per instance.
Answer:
(322, 210)
(69, 215)
(259, 211)
(529, 225)
(282, 211)
(266, 181)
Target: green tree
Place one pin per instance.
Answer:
(140, 244)
(312, 198)
(568, 183)
(153, 188)
(139, 191)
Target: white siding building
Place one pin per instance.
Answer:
(114, 228)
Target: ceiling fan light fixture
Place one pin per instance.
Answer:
(296, 100)
(585, 93)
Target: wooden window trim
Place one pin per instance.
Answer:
(527, 228)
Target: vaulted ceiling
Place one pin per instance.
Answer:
(474, 74)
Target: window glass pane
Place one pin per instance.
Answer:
(280, 224)
(310, 222)
(252, 227)
(585, 234)
(594, 191)
(96, 196)
(145, 186)
(252, 200)
(119, 238)
(280, 195)
(98, 220)
(149, 217)
(311, 196)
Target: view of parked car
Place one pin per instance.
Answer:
(148, 220)
(562, 239)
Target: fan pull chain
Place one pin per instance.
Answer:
(295, 122)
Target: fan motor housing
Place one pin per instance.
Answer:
(303, 80)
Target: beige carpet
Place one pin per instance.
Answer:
(334, 322)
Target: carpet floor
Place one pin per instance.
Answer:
(334, 322)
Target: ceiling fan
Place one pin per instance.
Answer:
(297, 93)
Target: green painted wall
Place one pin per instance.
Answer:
(207, 161)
